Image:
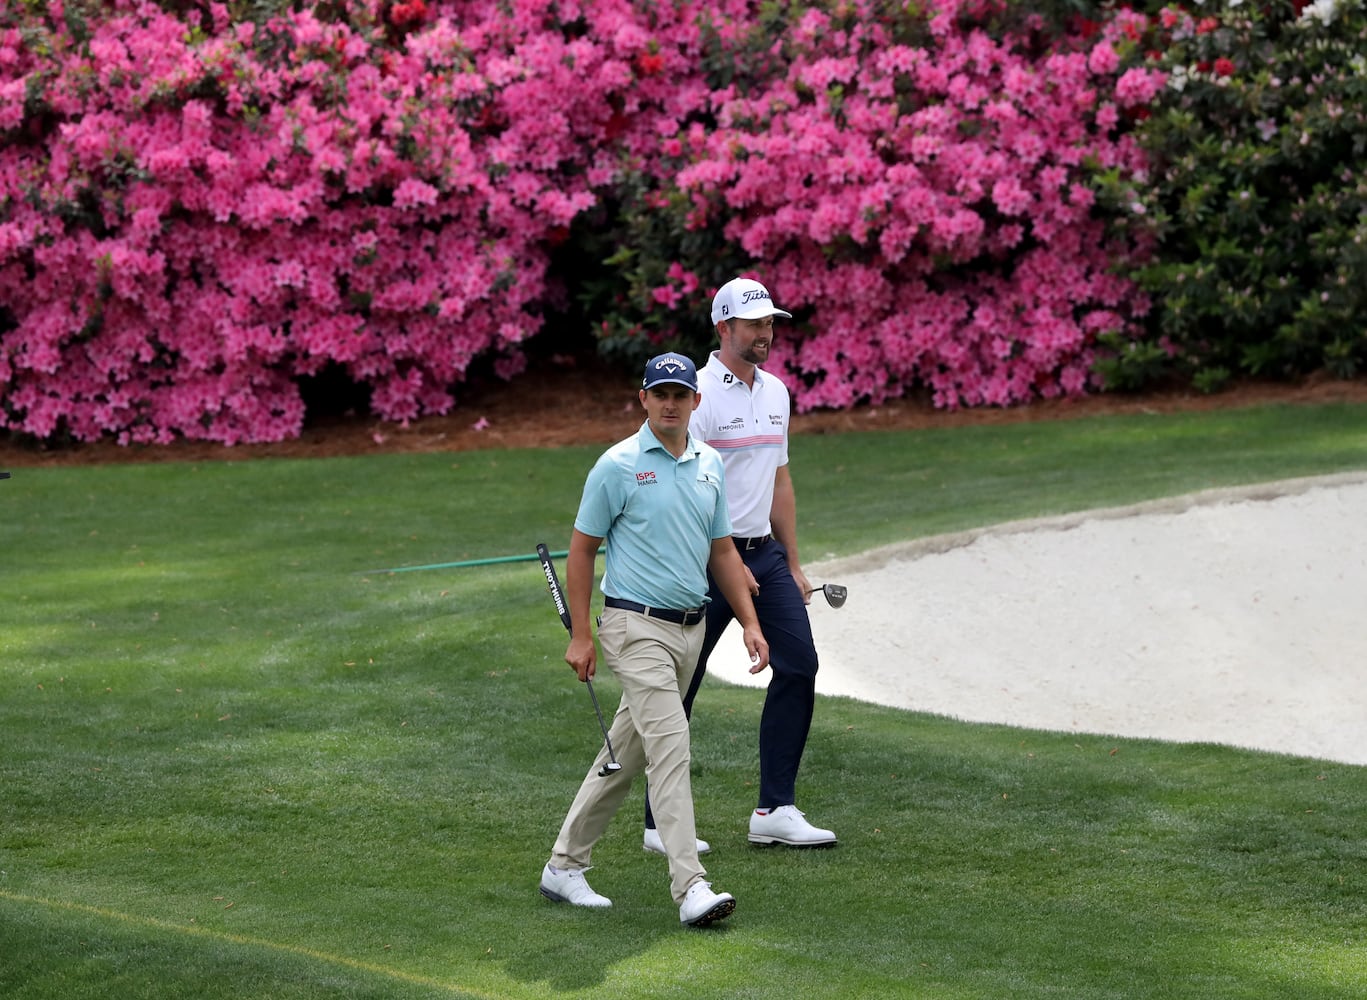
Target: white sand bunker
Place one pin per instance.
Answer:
(1232, 616)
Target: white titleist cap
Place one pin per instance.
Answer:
(744, 298)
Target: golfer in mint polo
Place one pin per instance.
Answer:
(658, 501)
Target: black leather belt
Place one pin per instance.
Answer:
(746, 544)
(690, 617)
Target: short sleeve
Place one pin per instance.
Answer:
(602, 499)
(721, 516)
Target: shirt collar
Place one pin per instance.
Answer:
(649, 442)
(727, 377)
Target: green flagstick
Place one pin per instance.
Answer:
(492, 560)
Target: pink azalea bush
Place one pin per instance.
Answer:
(198, 210)
(918, 189)
(197, 214)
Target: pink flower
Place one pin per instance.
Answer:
(412, 193)
(1138, 87)
(1009, 197)
(1103, 59)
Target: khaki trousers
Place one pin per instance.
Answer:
(653, 662)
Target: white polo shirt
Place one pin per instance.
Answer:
(749, 428)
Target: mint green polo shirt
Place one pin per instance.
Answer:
(658, 515)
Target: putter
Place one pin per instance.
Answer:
(563, 609)
(834, 593)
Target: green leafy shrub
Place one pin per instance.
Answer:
(1257, 202)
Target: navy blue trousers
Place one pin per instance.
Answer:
(787, 716)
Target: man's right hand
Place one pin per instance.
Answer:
(582, 656)
(758, 648)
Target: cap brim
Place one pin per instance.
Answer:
(762, 312)
(670, 381)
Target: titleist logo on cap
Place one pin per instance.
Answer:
(744, 298)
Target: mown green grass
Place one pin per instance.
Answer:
(233, 763)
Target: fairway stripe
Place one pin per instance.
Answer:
(239, 939)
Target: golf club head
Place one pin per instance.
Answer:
(609, 768)
(834, 593)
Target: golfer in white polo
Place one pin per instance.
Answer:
(744, 413)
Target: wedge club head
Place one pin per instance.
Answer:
(834, 593)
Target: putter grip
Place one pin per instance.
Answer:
(553, 582)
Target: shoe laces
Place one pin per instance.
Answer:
(571, 873)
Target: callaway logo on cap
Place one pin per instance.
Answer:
(744, 298)
(668, 368)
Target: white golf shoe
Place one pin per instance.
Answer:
(653, 843)
(787, 825)
(702, 906)
(565, 886)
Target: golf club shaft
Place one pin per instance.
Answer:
(563, 609)
(599, 712)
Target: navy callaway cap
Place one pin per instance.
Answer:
(670, 368)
